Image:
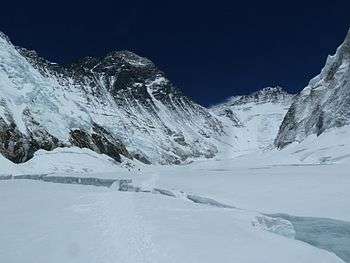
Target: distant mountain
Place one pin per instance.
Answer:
(323, 104)
(119, 105)
(253, 120)
(267, 95)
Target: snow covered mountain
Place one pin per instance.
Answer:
(65, 126)
(253, 120)
(323, 104)
(120, 104)
(123, 105)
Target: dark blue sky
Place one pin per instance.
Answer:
(210, 50)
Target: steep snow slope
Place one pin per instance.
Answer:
(120, 104)
(323, 104)
(252, 121)
(332, 146)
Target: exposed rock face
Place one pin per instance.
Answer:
(19, 147)
(99, 141)
(323, 104)
(253, 120)
(120, 104)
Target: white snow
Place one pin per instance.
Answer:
(63, 223)
(306, 179)
(67, 161)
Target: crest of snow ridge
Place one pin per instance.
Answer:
(267, 95)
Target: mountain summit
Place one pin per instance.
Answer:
(119, 105)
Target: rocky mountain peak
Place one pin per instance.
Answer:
(270, 91)
(118, 105)
(128, 57)
(113, 61)
(270, 94)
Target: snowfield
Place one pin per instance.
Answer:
(207, 211)
(92, 224)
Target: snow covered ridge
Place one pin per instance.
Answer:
(323, 104)
(253, 120)
(266, 95)
(118, 105)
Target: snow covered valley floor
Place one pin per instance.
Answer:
(77, 223)
(208, 211)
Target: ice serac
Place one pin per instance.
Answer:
(253, 120)
(323, 104)
(119, 105)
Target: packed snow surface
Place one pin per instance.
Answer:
(90, 224)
